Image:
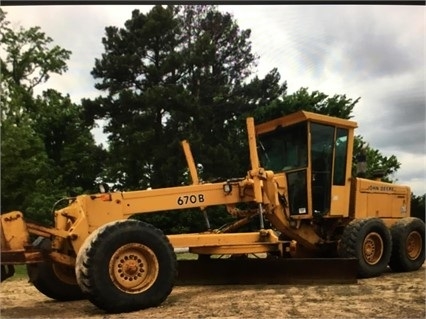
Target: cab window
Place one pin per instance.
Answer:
(285, 148)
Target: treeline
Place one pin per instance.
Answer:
(174, 73)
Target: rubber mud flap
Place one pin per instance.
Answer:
(267, 271)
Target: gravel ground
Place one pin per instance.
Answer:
(392, 295)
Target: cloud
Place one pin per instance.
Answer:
(392, 117)
(372, 41)
(412, 172)
(76, 28)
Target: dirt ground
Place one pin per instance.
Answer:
(392, 295)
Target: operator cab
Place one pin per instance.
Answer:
(314, 152)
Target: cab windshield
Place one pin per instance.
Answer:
(285, 148)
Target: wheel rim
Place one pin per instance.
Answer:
(414, 245)
(372, 248)
(133, 268)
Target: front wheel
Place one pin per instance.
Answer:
(368, 240)
(125, 266)
(408, 244)
(54, 280)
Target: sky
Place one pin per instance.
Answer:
(375, 52)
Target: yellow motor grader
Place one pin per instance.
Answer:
(299, 189)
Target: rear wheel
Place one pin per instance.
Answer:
(369, 241)
(54, 280)
(125, 266)
(408, 244)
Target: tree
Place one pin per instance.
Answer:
(29, 60)
(302, 99)
(378, 165)
(418, 206)
(47, 151)
(218, 61)
(76, 161)
(138, 71)
(24, 167)
(176, 73)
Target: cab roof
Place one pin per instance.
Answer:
(302, 116)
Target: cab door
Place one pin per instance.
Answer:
(322, 148)
(340, 191)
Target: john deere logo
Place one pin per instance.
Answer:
(381, 188)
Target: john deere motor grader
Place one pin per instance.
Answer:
(301, 191)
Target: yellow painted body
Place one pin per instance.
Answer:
(269, 193)
(14, 234)
(378, 199)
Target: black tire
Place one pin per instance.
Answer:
(126, 265)
(408, 244)
(368, 240)
(53, 280)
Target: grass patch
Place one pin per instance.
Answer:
(191, 256)
(186, 256)
(20, 272)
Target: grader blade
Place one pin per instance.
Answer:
(267, 271)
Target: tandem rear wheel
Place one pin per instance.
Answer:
(368, 240)
(408, 244)
(375, 246)
(125, 266)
